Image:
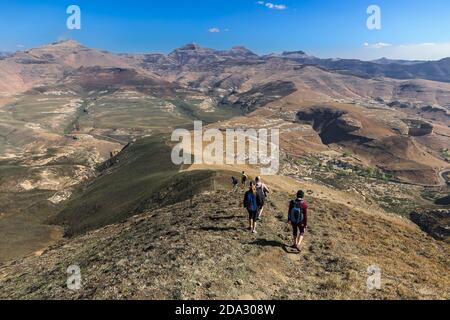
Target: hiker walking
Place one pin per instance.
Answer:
(298, 218)
(250, 203)
(235, 184)
(244, 179)
(261, 192)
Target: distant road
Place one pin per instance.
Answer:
(100, 137)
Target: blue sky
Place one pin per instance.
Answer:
(415, 29)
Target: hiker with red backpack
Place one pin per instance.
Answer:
(251, 204)
(298, 218)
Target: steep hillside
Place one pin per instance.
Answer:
(142, 176)
(49, 64)
(200, 249)
(141, 216)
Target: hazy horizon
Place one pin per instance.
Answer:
(326, 29)
(218, 49)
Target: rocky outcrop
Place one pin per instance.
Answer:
(436, 223)
(332, 125)
(348, 124)
(436, 110)
(400, 105)
(432, 109)
(259, 96)
(419, 128)
(445, 201)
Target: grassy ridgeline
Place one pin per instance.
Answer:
(142, 176)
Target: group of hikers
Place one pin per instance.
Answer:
(254, 202)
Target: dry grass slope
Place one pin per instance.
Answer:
(200, 249)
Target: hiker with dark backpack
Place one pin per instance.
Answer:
(261, 193)
(298, 218)
(251, 204)
(235, 184)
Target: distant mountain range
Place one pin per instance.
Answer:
(393, 61)
(49, 64)
(193, 54)
(396, 69)
(4, 55)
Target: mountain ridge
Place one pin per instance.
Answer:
(45, 65)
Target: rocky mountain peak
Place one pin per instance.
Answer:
(241, 52)
(192, 47)
(241, 49)
(295, 54)
(70, 43)
(289, 53)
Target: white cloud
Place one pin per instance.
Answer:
(214, 30)
(413, 51)
(378, 45)
(272, 6)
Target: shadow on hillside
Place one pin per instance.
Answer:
(274, 244)
(218, 229)
(222, 218)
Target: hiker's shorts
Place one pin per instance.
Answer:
(296, 228)
(252, 215)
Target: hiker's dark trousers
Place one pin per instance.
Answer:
(252, 215)
(298, 227)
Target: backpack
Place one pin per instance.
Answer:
(251, 201)
(260, 196)
(296, 215)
